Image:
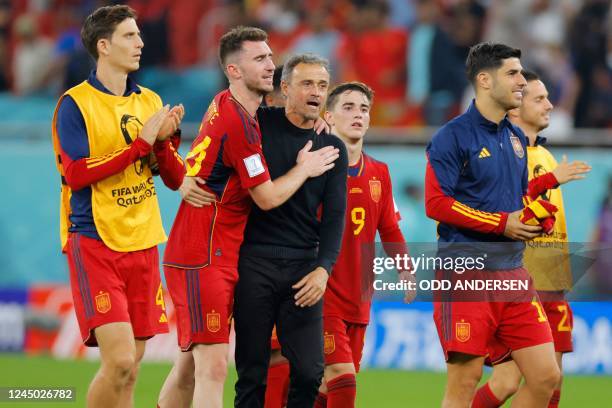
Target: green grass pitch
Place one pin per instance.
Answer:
(375, 388)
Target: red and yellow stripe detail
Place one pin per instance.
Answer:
(362, 165)
(486, 217)
(98, 161)
(176, 155)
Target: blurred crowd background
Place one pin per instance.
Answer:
(411, 52)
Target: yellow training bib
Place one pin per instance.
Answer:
(547, 256)
(124, 205)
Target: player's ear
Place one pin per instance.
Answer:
(284, 87)
(103, 46)
(484, 80)
(329, 117)
(233, 71)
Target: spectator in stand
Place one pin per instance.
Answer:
(505, 22)
(319, 38)
(213, 24)
(467, 20)
(4, 83)
(546, 33)
(172, 25)
(373, 52)
(402, 13)
(589, 35)
(436, 77)
(5, 19)
(283, 20)
(153, 24)
(603, 237)
(184, 18)
(31, 58)
(71, 63)
(600, 113)
(540, 27)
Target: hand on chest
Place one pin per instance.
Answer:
(280, 152)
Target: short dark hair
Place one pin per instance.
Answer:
(338, 90)
(276, 79)
(486, 55)
(231, 41)
(297, 59)
(530, 75)
(101, 24)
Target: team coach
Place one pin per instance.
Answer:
(288, 252)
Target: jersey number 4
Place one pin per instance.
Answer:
(159, 298)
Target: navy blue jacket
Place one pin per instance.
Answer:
(476, 175)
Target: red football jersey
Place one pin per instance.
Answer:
(370, 208)
(227, 154)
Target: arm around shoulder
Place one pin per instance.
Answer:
(272, 194)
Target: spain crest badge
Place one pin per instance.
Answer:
(462, 331)
(213, 321)
(517, 146)
(329, 344)
(103, 302)
(375, 190)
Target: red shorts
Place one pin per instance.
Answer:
(203, 299)
(274, 343)
(343, 341)
(110, 286)
(560, 321)
(471, 327)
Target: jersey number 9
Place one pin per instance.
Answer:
(358, 216)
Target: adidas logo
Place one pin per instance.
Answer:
(484, 153)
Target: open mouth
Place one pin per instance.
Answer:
(357, 125)
(313, 104)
